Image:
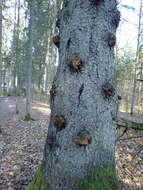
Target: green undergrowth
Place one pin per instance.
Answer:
(39, 181)
(104, 178)
(28, 118)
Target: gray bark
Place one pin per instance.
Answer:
(29, 82)
(79, 96)
(13, 52)
(0, 45)
(17, 60)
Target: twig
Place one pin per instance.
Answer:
(134, 137)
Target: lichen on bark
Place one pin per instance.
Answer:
(103, 178)
(39, 181)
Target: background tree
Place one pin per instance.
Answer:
(29, 61)
(1, 5)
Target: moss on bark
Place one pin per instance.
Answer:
(104, 178)
(39, 181)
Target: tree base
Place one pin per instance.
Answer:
(39, 181)
(28, 118)
(104, 178)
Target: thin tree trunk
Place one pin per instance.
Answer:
(29, 82)
(1, 2)
(137, 60)
(17, 58)
(13, 65)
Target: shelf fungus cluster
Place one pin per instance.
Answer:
(74, 63)
(56, 41)
(59, 122)
(83, 138)
(111, 40)
(108, 90)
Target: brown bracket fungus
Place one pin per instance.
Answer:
(56, 41)
(111, 40)
(83, 138)
(74, 63)
(59, 122)
(108, 90)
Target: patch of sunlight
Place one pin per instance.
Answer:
(43, 110)
(41, 104)
(139, 108)
(11, 106)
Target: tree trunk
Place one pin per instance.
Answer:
(1, 46)
(137, 60)
(29, 82)
(82, 130)
(17, 60)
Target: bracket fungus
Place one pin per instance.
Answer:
(108, 90)
(59, 122)
(74, 63)
(83, 138)
(56, 41)
(111, 40)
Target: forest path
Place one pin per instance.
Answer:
(22, 144)
(8, 108)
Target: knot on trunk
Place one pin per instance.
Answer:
(74, 63)
(83, 138)
(108, 90)
(116, 17)
(111, 40)
(96, 2)
(53, 91)
(56, 40)
(59, 122)
(119, 97)
(51, 141)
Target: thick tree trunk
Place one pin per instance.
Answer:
(82, 130)
(81, 100)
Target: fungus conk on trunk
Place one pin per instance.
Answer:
(74, 160)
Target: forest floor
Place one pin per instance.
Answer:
(22, 143)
